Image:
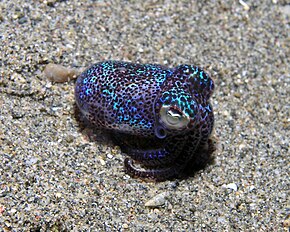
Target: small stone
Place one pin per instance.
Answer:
(70, 138)
(221, 220)
(251, 188)
(286, 223)
(31, 161)
(23, 20)
(110, 156)
(157, 200)
(13, 211)
(59, 73)
(225, 113)
(58, 195)
(125, 226)
(242, 146)
(237, 95)
(102, 162)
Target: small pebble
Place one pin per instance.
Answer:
(110, 156)
(13, 211)
(59, 73)
(157, 200)
(102, 162)
(58, 195)
(125, 226)
(286, 223)
(31, 161)
(221, 220)
(251, 188)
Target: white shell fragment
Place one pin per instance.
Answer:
(157, 200)
(59, 73)
(245, 5)
(232, 186)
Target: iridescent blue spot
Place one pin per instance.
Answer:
(115, 106)
(133, 109)
(200, 75)
(208, 108)
(88, 91)
(137, 116)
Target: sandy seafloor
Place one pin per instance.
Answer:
(55, 178)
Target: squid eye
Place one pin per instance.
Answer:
(173, 118)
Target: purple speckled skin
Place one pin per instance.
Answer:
(159, 116)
